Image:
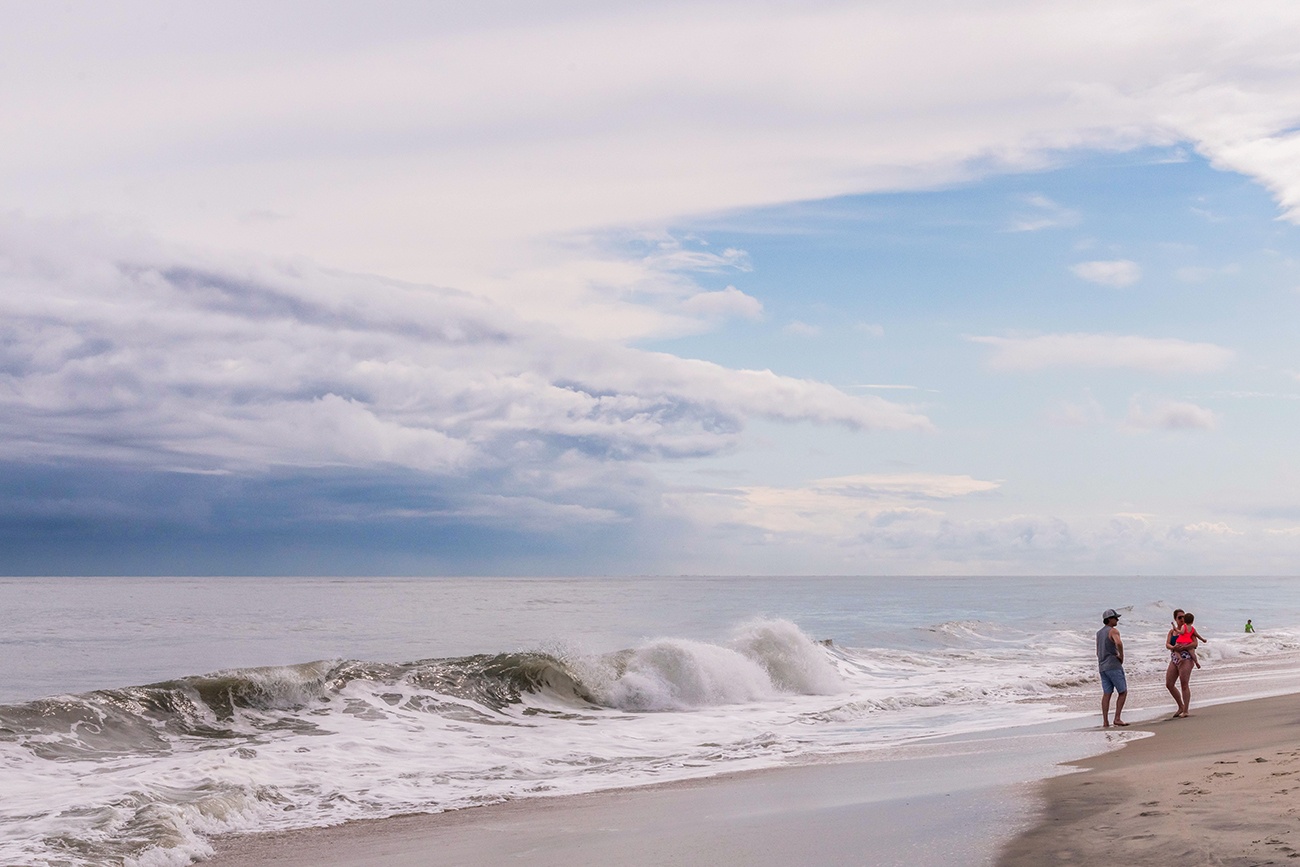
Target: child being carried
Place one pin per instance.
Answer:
(1187, 637)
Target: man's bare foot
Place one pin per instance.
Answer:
(1120, 723)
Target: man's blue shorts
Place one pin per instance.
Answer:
(1113, 681)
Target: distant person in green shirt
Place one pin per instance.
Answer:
(1249, 627)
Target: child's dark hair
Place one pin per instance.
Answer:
(1189, 617)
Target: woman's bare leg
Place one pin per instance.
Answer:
(1171, 677)
(1184, 676)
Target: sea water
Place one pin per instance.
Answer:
(140, 718)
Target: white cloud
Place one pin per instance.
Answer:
(724, 303)
(671, 256)
(1116, 273)
(888, 386)
(129, 351)
(1152, 354)
(870, 329)
(802, 329)
(837, 507)
(907, 485)
(1202, 529)
(429, 146)
(813, 530)
(618, 285)
(1171, 415)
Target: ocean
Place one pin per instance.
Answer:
(142, 718)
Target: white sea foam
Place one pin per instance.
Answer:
(765, 659)
(325, 742)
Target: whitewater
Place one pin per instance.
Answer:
(568, 686)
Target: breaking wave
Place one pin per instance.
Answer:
(146, 776)
(149, 773)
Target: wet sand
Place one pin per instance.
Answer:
(1221, 787)
(933, 806)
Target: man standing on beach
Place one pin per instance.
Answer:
(1110, 662)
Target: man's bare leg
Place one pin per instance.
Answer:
(1119, 708)
(1105, 710)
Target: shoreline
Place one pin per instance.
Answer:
(1007, 798)
(949, 801)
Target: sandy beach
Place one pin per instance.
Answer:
(815, 814)
(1222, 787)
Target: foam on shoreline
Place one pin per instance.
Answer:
(1216, 788)
(955, 800)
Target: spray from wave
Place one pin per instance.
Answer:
(763, 660)
(145, 775)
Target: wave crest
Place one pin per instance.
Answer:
(764, 659)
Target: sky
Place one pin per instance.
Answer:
(583, 288)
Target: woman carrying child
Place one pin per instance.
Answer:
(1181, 642)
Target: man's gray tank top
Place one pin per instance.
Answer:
(1107, 653)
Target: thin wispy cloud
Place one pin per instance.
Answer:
(907, 485)
(1201, 529)
(1116, 273)
(1043, 213)
(1152, 354)
(1200, 274)
(1170, 415)
(802, 329)
(839, 507)
(1087, 412)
